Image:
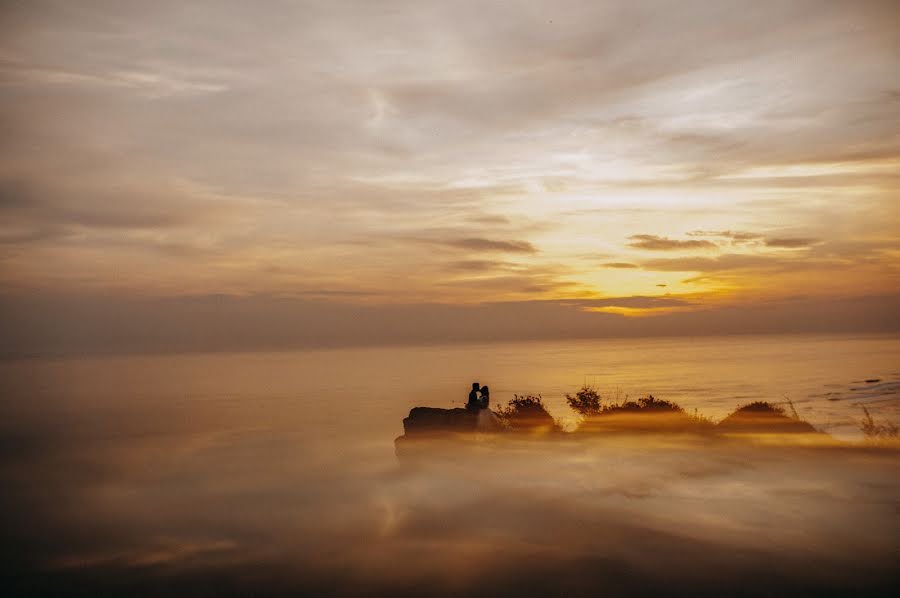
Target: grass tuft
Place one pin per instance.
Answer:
(878, 432)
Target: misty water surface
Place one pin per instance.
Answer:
(271, 472)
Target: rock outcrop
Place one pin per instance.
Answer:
(428, 428)
(456, 429)
(433, 420)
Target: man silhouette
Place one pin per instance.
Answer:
(474, 403)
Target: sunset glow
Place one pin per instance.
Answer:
(449, 298)
(160, 160)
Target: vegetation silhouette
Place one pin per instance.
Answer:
(526, 415)
(586, 401)
(646, 414)
(761, 417)
(875, 432)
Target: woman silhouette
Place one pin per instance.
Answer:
(487, 421)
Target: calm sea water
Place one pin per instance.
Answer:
(366, 392)
(267, 473)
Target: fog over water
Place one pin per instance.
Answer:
(275, 472)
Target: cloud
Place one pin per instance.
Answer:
(479, 265)
(110, 202)
(620, 265)
(47, 324)
(736, 237)
(657, 243)
(525, 283)
(728, 261)
(493, 219)
(635, 301)
(791, 242)
(328, 293)
(169, 139)
(743, 237)
(481, 244)
(150, 84)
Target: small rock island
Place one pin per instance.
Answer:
(525, 416)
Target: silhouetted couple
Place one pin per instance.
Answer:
(479, 401)
(479, 398)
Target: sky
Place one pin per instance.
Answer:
(630, 161)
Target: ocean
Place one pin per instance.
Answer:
(365, 392)
(159, 473)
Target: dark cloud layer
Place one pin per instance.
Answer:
(477, 244)
(791, 242)
(734, 236)
(49, 325)
(657, 243)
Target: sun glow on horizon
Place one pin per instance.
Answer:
(478, 172)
